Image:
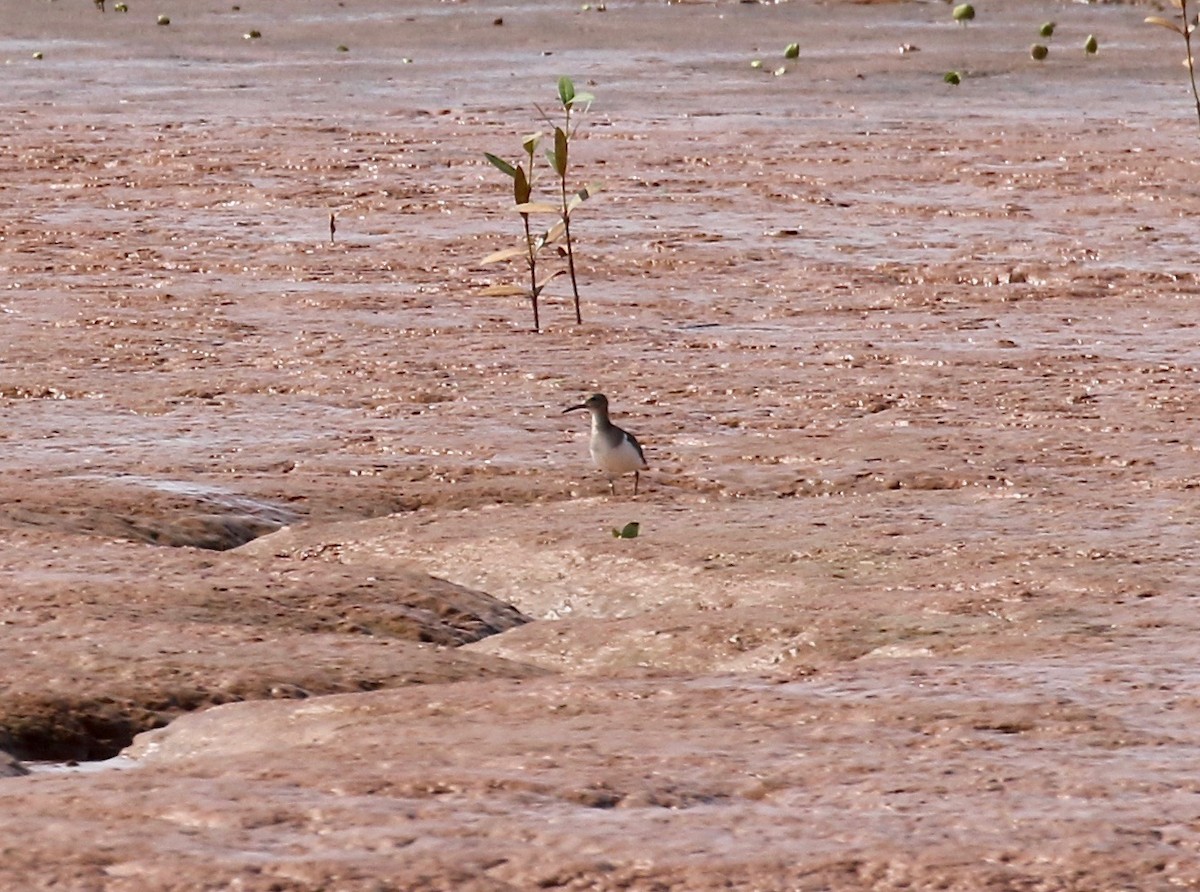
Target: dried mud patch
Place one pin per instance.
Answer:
(107, 639)
(165, 512)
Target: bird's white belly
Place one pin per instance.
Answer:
(621, 460)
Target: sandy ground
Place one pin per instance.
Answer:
(915, 366)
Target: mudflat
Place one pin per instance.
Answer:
(304, 568)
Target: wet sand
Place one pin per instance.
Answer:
(914, 365)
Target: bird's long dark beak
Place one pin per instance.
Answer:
(573, 408)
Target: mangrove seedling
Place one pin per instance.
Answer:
(792, 51)
(1184, 27)
(571, 103)
(1091, 45)
(1038, 52)
(522, 181)
(1047, 30)
(952, 77)
(963, 13)
(522, 175)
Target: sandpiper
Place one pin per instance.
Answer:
(614, 451)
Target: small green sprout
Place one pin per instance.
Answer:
(963, 13)
(629, 531)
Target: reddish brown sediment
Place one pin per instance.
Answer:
(915, 369)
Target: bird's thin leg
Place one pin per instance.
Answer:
(635, 482)
(612, 485)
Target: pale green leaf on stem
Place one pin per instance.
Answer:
(503, 291)
(566, 91)
(583, 195)
(536, 207)
(504, 254)
(546, 281)
(1165, 23)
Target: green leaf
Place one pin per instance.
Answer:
(566, 92)
(521, 187)
(629, 531)
(792, 51)
(1091, 45)
(584, 99)
(964, 12)
(560, 152)
(554, 232)
(1047, 30)
(530, 143)
(952, 77)
(501, 164)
